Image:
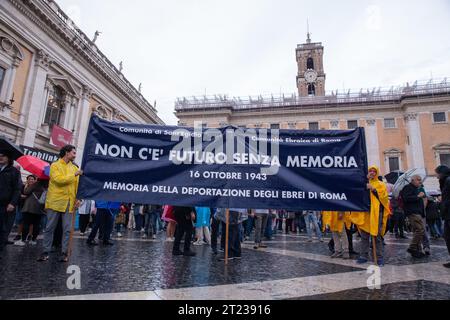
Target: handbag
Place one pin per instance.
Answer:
(42, 198)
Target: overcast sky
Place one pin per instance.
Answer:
(182, 48)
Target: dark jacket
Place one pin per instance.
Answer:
(445, 191)
(10, 186)
(432, 211)
(412, 204)
(183, 214)
(31, 203)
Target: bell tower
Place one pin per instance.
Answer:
(311, 76)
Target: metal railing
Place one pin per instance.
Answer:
(363, 96)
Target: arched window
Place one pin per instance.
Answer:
(311, 89)
(55, 106)
(310, 63)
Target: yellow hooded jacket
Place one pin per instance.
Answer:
(63, 186)
(330, 218)
(369, 222)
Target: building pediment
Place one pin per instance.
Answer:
(442, 146)
(10, 46)
(393, 151)
(65, 83)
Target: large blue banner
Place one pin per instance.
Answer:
(225, 168)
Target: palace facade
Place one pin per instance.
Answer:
(406, 126)
(53, 77)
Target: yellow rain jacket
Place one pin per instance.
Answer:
(369, 222)
(330, 218)
(63, 186)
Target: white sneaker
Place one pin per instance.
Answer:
(154, 236)
(119, 235)
(197, 243)
(170, 239)
(19, 243)
(144, 236)
(33, 243)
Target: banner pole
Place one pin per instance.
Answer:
(227, 233)
(72, 230)
(374, 247)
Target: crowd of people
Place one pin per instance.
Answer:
(50, 207)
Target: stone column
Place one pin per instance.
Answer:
(414, 148)
(373, 149)
(37, 92)
(83, 122)
(67, 111)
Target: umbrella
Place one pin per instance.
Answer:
(11, 148)
(405, 179)
(393, 176)
(34, 165)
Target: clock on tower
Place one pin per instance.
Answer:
(311, 76)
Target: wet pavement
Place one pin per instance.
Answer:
(134, 266)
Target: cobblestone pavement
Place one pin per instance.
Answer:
(290, 268)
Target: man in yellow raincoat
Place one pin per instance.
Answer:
(61, 200)
(373, 224)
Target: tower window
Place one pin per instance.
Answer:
(310, 63)
(311, 89)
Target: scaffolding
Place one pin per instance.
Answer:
(380, 95)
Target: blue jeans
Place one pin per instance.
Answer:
(150, 222)
(249, 226)
(312, 218)
(138, 219)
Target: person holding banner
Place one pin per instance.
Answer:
(373, 224)
(61, 200)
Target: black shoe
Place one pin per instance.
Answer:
(92, 243)
(9, 242)
(331, 248)
(416, 254)
(43, 257)
(18, 237)
(108, 243)
(447, 265)
(177, 253)
(214, 251)
(403, 237)
(189, 253)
